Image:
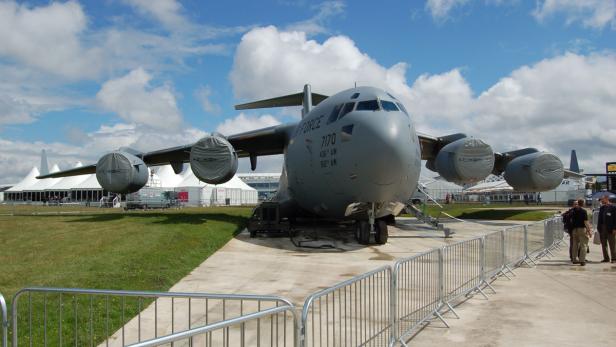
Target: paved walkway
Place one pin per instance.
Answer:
(276, 266)
(553, 304)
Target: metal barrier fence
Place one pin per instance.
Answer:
(493, 255)
(233, 332)
(535, 234)
(417, 297)
(4, 321)
(515, 245)
(355, 312)
(381, 307)
(99, 317)
(462, 269)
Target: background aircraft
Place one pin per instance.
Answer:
(353, 156)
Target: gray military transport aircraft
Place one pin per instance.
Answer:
(354, 156)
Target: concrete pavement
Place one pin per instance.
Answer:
(553, 304)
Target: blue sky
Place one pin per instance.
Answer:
(82, 78)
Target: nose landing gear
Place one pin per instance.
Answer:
(363, 232)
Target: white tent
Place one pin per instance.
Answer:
(16, 191)
(69, 182)
(167, 177)
(46, 183)
(88, 190)
(234, 192)
(26, 182)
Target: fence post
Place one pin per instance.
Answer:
(527, 260)
(393, 310)
(441, 274)
(4, 322)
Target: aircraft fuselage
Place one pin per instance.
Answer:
(356, 147)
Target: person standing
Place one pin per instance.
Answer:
(581, 233)
(568, 224)
(606, 225)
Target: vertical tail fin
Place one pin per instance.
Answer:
(573, 165)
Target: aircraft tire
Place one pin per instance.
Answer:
(381, 232)
(253, 234)
(364, 232)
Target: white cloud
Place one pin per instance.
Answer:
(167, 12)
(591, 13)
(244, 122)
(440, 9)
(556, 104)
(135, 100)
(14, 111)
(203, 94)
(48, 38)
(317, 24)
(269, 62)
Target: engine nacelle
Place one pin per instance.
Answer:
(535, 172)
(213, 159)
(121, 172)
(466, 160)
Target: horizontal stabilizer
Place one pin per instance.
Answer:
(573, 174)
(83, 170)
(282, 101)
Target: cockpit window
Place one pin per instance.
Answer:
(354, 96)
(370, 105)
(348, 107)
(402, 107)
(334, 115)
(389, 106)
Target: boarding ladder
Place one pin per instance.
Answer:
(423, 216)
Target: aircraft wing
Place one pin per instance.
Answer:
(82, 170)
(266, 141)
(431, 145)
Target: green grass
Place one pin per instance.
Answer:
(110, 250)
(493, 212)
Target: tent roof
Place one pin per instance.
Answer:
(235, 182)
(89, 183)
(69, 182)
(190, 180)
(486, 187)
(26, 182)
(168, 178)
(46, 183)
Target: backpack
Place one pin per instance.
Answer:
(567, 222)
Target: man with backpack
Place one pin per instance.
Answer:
(569, 227)
(581, 233)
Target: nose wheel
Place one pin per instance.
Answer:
(363, 232)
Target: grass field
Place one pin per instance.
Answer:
(493, 212)
(107, 249)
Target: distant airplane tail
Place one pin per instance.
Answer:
(573, 164)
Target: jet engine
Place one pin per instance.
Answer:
(121, 172)
(213, 159)
(466, 160)
(534, 172)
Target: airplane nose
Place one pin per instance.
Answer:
(386, 143)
